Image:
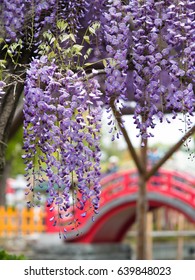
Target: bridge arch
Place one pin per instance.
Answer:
(118, 201)
(115, 218)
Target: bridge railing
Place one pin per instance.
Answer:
(169, 182)
(174, 184)
(121, 184)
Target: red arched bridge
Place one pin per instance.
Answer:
(117, 205)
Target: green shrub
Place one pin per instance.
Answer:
(6, 256)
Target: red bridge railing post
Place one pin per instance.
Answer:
(126, 181)
(169, 181)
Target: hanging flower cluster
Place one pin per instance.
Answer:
(62, 117)
(73, 12)
(13, 17)
(97, 7)
(180, 38)
(27, 19)
(160, 54)
(116, 35)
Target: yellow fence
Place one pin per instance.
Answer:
(21, 222)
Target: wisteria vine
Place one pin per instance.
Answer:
(116, 35)
(27, 19)
(63, 98)
(61, 132)
(161, 35)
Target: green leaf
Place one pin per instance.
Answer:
(52, 40)
(88, 52)
(48, 36)
(20, 42)
(88, 64)
(86, 38)
(77, 47)
(3, 64)
(64, 37)
(9, 53)
(104, 62)
(51, 55)
(5, 47)
(62, 25)
(57, 46)
(91, 30)
(72, 37)
(1, 40)
(94, 27)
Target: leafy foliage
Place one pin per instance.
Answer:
(6, 256)
(14, 154)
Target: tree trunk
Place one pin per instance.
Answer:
(6, 116)
(142, 206)
(2, 164)
(141, 220)
(7, 109)
(3, 180)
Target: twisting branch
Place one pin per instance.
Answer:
(94, 73)
(155, 168)
(127, 139)
(3, 143)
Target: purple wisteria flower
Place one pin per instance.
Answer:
(13, 17)
(62, 116)
(162, 46)
(116, 35)
(36, 15)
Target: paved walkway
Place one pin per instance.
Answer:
(51, 247)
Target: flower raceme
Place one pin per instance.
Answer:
(23, 16)
(62, 118)
(163, 54)
(116, 35)
(159, 40)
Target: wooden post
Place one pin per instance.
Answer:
(159, 218)
(149, 228)
(141, 220)
(142, 206)
(180, 240)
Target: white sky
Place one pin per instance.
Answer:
(164, 133)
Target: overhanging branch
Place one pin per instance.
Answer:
(127, 139)
(155, 168)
